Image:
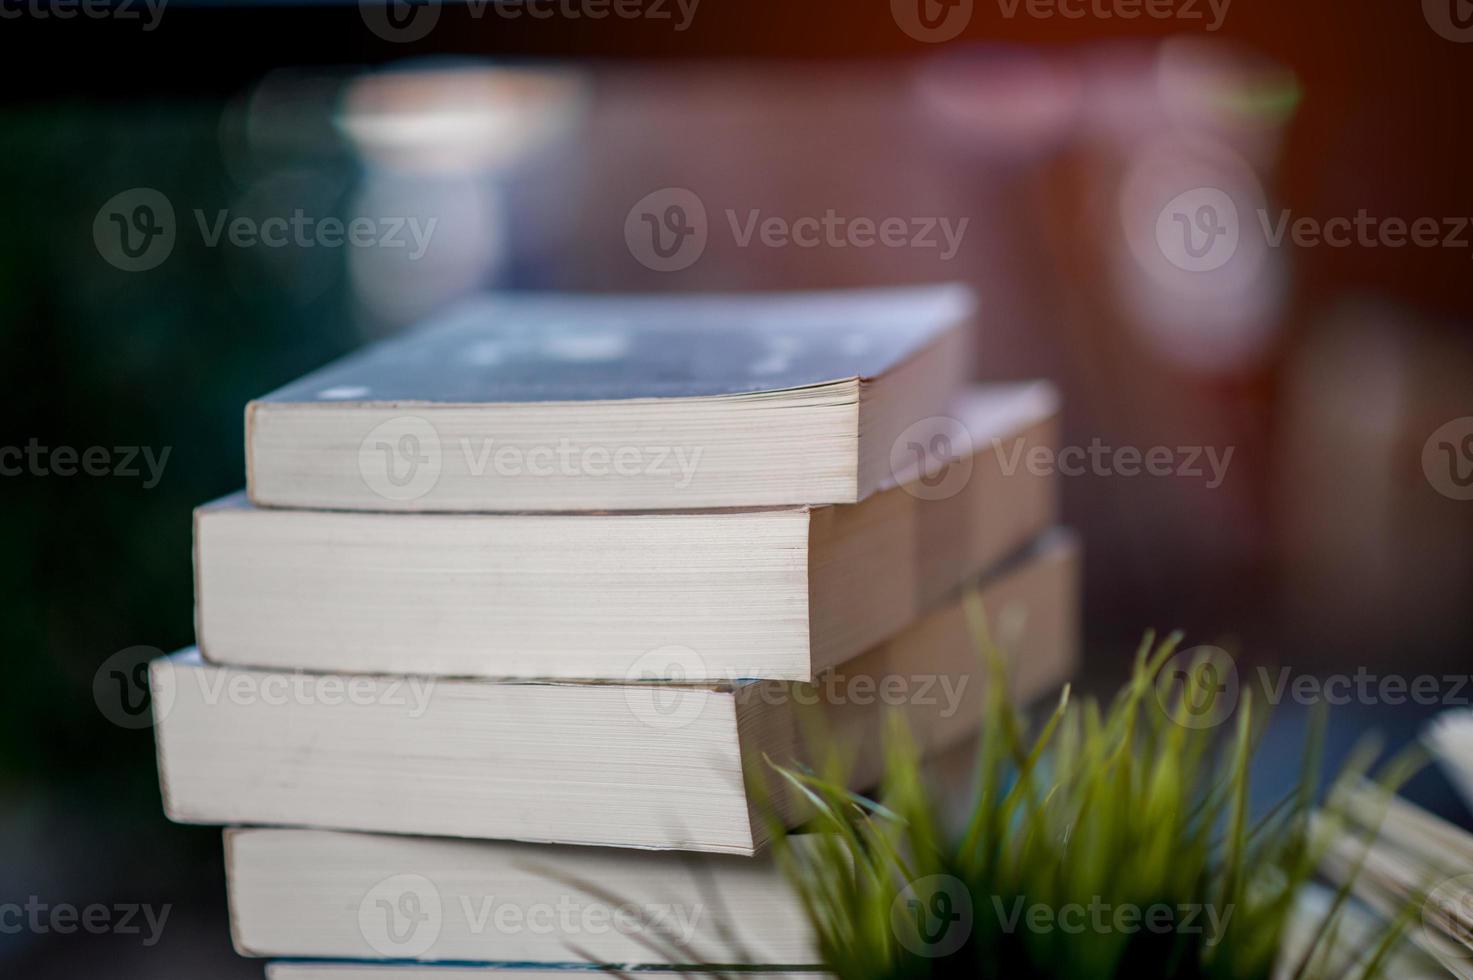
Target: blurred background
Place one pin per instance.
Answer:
(1114, 186)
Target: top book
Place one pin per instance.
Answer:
(623, 402)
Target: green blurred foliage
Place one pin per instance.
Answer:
(96, 356)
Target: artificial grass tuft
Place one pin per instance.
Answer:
(1107, 841)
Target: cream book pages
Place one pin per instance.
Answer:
(649, 765)
(1450, 737)
(312, 893)
(755, 593)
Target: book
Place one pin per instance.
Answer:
(1359, 933)
(1393, 854)
(633, 765)
(334, 895)
(760, 592)
(617, 402)
(1450, 739)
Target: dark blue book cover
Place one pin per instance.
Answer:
(563, 347)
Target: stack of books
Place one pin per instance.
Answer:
(518, 608)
